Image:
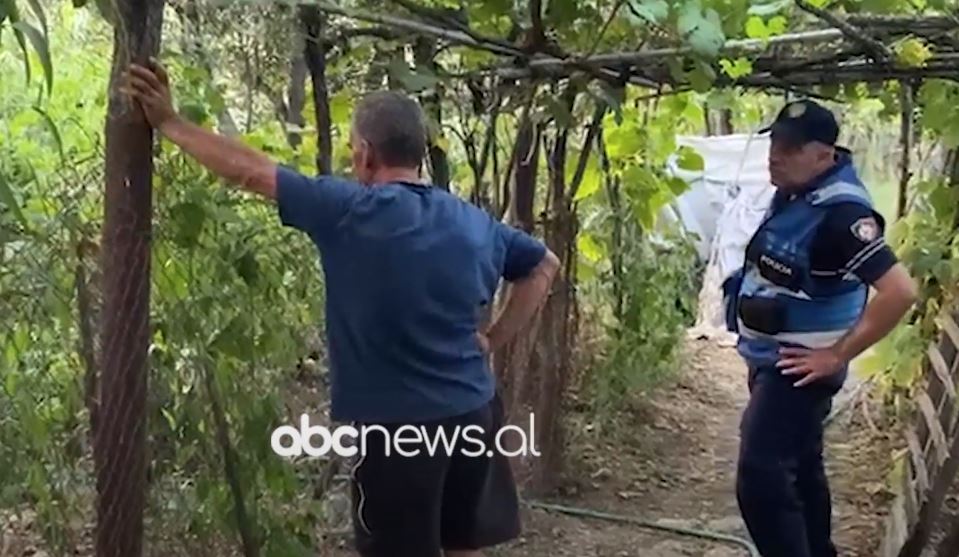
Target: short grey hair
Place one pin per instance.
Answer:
(393, 124)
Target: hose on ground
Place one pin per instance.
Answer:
(703, 534)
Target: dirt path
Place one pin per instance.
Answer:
(673, 460)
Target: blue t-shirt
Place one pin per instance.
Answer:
(408, 269)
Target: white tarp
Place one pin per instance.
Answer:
(724, 206)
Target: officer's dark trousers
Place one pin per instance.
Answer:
(781, 484)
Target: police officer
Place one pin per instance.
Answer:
(801, 308)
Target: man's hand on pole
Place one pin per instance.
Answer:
(225, 157)
(151, 88)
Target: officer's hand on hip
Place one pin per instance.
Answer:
(813, 364)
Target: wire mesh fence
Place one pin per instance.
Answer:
(234, 352)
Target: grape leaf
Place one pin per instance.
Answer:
(689, 159)
(737, 68)
(591, 180)
(776, 25)
(677, 185)
(756, 28)
(591, 249)
(768, 9)
(689, 17)
(913, 53)
(707, 39)
(700, 80)
(653, 11)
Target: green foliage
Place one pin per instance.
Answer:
(912, 52)
(740, 67)
(653, 11)
(25, 32)
(701, 28)
(660, 283)
(756, 28)
(927, 242)
(233, 297)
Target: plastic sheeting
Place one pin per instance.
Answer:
(723, 207)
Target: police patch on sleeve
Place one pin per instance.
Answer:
(865, 229)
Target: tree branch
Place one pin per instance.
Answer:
(591, 132)
(444, 20)
(875, 48)
(458, 37)
(602, 31)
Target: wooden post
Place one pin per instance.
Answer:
(119, 443)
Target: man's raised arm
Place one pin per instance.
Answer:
(224, 156)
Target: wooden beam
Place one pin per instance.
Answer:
(738, 45)
(929, 511)
(910, 500)
(927, 409)
(949, 327)
(941, 369)
(918, 462)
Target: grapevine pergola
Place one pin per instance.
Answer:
(833, 50)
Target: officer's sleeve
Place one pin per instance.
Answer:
(522, 252)
(857, 235)
(313, 205)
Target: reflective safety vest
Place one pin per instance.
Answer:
(777, 299)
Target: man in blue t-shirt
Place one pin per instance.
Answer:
(409, 269)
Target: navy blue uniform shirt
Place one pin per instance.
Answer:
(408, 269)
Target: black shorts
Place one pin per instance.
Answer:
(417, 506)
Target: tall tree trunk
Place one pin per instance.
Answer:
(424, 49)
(314, 24)
(119, 448)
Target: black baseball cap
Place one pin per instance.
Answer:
(804, 121)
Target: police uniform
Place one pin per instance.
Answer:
(804, 284)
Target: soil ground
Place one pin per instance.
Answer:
(670, 458)
(674, 461)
